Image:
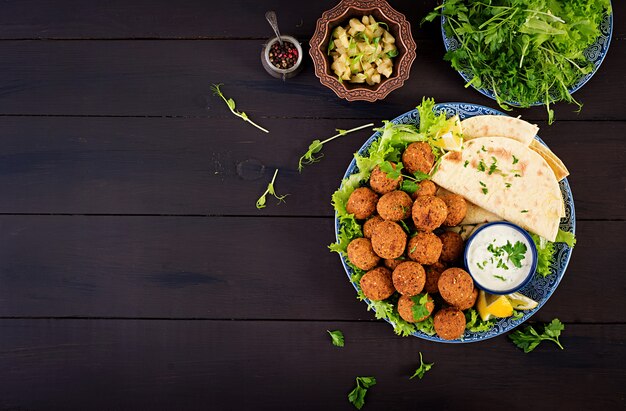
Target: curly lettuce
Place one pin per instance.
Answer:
(546, 250)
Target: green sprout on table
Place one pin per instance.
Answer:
(260, 203)
(231, 105)
(315, 146)
(423, 368)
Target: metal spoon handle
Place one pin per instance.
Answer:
(273, 21)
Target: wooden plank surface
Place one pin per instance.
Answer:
(234, 268)
(113, 364)
(221, 166)
(119, 19)
(172, 78)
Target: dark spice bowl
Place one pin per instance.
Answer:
(339, 15)
(277, 72)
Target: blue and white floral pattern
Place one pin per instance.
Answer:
(539, 289)
(595, 53)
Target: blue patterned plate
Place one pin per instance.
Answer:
(539, 289)
(595, 53)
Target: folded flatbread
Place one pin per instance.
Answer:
(521, 188)
(499, 126)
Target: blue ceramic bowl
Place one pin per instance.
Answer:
(533, 251)
(539, 288)
(595, 53)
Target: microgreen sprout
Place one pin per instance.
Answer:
(231, 105)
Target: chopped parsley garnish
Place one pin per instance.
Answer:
(466, 163)
(516, 175)
(483, 149)
(515, 253)
(499, 277)
(419, 306)
(481, 166)
(515, 159)
(392, 173)
(524, 211)
(413, 249)
(494, 166)
(507, 185)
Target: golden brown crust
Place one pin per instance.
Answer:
(449, 323)
(455, 286)
(362, 203)
(388, 240)
(395, 206)
(426, 188)
(361, 254)
(418, 157)
(452, 246)
(370, 223)
(376, 284)
(424, 248)
(405, 309)
(433, 272)
(429, 212)
(457, 208)
(381, 184)
(409, 278)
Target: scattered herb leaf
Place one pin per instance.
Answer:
(231, 105)
(336, 337)
(357, 395)
(260, 203)
(422, 370)
(529, 339)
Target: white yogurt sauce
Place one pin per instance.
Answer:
(493, 256)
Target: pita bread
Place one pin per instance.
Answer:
(525, 193)
(555, 163)
(499, 126)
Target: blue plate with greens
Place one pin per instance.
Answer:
(539, 289)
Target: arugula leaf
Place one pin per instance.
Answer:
(529, 339)
(260, 203)
(337, 337)
(357, 395)
(316, 145)
(231, 105)
(423, 369)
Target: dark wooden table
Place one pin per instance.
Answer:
(137, 274)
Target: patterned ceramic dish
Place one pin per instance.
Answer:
(339, 15)
(595, 53)
(539, 289)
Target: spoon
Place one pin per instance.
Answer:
(273, 21)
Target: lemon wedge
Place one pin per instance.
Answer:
(489, 305)
(450, 136)
(521, 302)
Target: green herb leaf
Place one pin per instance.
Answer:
(337, 337)
(529, 339)
(419, 308)
(231, 106)
(316, 146)
(260, 203)
(422, 370)
(515, 159)
(473, 322)
(409, 186)
(392, 172)
(357, 395)
(392, 53)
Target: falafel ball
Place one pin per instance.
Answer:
(457, 208)
(425, 188)
(456, 286)
(392, 263)
(424, 248)
(370, 223)
(381, 183)
(376, 284)
(405, 308)
(429, 212)
(388, 240)
(418, 157)
(433, 272)
(449, 323)
(470, 301)
(409, 278)
(453, 246)
(362, 203)
(361, 254)
(394, 206)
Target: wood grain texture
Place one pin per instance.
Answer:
(172, 78)
(130, 365)
(118, 19)
(221, 166)
(234, 268)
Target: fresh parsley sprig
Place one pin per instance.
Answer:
(316, 145)
(260, 203)
(231, 105)
(357, 395)
(419, 308)
(336, 337)
(529, 339)
(422, 370)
